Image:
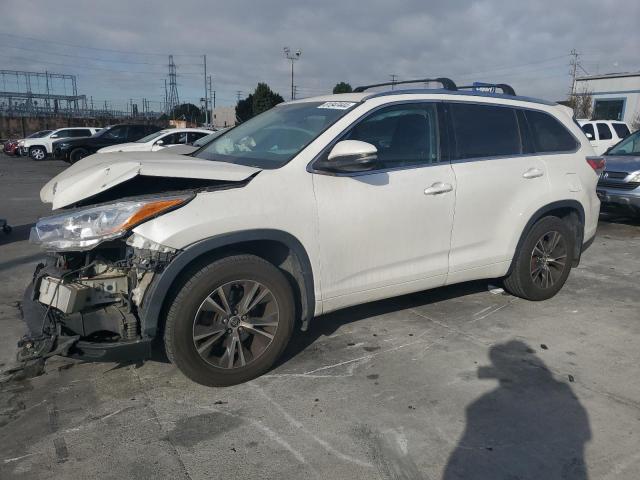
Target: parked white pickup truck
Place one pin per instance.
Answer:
(39, 148)
(604, 134)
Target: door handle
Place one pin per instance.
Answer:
(533, 173)
(438, 188)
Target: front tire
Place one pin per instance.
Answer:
(78, 154)
(230, 321)
(543, 262)
(37, 153)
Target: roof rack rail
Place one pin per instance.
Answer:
(447, 83)
(491, 87)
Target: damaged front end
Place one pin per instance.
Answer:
(86, 304)
(87, 299)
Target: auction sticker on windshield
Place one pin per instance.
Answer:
(337, 105)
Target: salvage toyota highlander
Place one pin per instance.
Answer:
(312, 206)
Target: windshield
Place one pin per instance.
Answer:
(628, 146)
(148, 138)
(207, 138)
(40, 134)
(274, 137)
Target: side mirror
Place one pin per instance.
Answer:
(160, 142)
(350, 156)
(589, 136)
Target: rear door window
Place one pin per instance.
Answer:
(549, 135)
(193, 136)
(621, 129)
(484, 131)
(604, 132)
(80, 133)
(136, 132)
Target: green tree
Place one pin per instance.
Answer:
(261, 100)
(342, 87)
(244, 109)
(189, 112)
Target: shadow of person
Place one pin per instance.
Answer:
(530, 427)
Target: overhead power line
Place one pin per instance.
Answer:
(23, 59)
(127, 52)
(71, 55)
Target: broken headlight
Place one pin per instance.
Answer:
(85, 228)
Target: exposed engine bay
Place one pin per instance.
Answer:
(93, 296)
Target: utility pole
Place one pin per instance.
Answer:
(206, 98)
(292, 56)
(574, 63)
(238, 94)
(165, 95)
(212, 98)
(394, 77)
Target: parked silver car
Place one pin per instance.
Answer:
(619, 183)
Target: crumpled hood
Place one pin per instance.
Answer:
(97, 173)
(622, 163)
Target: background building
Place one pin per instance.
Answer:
(224, 117)
(616, 96)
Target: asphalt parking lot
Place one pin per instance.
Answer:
(459, 382)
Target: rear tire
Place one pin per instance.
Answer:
(37, 153)
(214, 337)
(78, 154)
(543, 262)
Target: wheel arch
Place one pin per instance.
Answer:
(571, 211)
(276, 246)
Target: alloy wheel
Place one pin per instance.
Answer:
(37, 154)
(548, 259)
(235, 324)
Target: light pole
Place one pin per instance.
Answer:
(293, 56)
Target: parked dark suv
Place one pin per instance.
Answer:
(74, 149)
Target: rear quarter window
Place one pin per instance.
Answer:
(621, 129)
(549, 135)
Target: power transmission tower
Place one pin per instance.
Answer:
(394, 77)
(172, 100)
(238, 94)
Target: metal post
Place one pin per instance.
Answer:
(206, 101)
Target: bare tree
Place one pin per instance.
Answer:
(582, 103)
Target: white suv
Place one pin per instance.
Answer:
(312, 206)
(159, 140)
(38, 148)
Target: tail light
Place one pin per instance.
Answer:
(597, 163)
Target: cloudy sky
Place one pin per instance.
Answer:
(119, 48)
